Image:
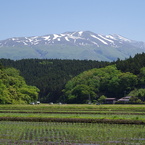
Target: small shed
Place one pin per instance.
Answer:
(110, 100)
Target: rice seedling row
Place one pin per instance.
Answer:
(69, 133)
(72, 124)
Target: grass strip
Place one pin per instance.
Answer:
(73, 120)
(78, 112)
(77, 107)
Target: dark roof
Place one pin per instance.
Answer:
(110, 99)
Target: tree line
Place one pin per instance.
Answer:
(59, 80)
(51, 75)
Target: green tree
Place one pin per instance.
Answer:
(128, 81)
(102, 99)
(141, 77)
(108, 81)
(13, 88)
(1, 66)
(138, 93)
(135, 100)
(81, 94)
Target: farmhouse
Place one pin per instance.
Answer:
(124, 99)
(110, 100)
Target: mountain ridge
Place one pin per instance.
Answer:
(71, 45)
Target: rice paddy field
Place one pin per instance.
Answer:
(46, 124)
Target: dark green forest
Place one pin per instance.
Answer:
(132, 64)
(53, 76)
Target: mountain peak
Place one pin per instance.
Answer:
(74, 38)
(71, 45)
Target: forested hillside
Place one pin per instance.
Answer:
(123, 77)
(13, 88)
(132, 64)
(92, 84)
(51, 75)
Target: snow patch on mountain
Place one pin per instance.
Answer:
(100, 39)
(118, 37)
(66, 38)
(111, 41)
(80, 33)
(46, 38)
(55, 36)
(111, 37)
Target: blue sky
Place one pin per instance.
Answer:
(20, 18)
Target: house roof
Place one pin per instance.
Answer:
(124, 100)
(127, 97)
(110, 99)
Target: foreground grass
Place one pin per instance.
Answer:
(52, 133)
(72, 124)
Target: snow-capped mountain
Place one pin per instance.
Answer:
(71, 45)
(79, 38)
